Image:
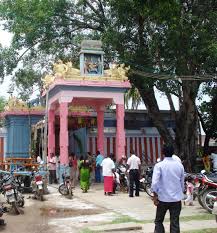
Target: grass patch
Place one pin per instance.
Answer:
(210, 230)
(86, 230)
(125, 218)
(197, 217)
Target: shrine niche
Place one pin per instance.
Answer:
(91, 58)
(92, 64)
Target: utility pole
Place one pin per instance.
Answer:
(44, 154)
(45, 129)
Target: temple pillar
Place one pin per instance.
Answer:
(120, 132)
(100, 131)
(51, 132)
(63, 139)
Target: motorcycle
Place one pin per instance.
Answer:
(10, 191)
(145, 181)
(124, 183)
(37, 186)
(214, 211)
(207, 191)
(2, 211)
(65, 188)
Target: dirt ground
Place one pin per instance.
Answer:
(56, 214)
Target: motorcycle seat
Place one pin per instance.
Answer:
(213, 178)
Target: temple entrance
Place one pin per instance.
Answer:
(69, 90)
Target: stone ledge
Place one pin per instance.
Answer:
(129, 226)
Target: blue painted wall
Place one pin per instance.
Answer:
(18, 137)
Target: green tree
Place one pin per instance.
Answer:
(133, 97)
(157, 39)
(2, 103)
(208, 115)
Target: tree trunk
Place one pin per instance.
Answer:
(155, 115)
(206, 145)
(187, 124)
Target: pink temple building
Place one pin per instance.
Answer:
(91, 88)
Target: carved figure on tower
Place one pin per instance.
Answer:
(60, 69)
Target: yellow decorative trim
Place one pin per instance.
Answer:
(68, 72)
(15, 104)
(77, 108)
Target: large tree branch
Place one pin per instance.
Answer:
(82, 24)
(101, 8)
(202, 122)
(20, 57)
(94, 10)
(172, 108)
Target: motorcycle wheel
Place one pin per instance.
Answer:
(208, 199)
(70, 193)
(148, 190)
(142, 187)
(63, 190)
(40, 195)
(21, 202)
(199, 198)
(15, 208)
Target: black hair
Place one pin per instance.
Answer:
(132, 152)
(168, 150)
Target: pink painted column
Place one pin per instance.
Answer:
(120, 133)
(64, 140)
(100, 131)
(51, 132)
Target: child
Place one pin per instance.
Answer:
(189, 193)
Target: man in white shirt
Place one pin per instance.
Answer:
(176, 158)
(108, 167)
(133, 164)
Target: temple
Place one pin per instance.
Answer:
(91, 88)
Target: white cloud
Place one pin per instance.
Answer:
(5, 37)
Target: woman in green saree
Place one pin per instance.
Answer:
(84, 175)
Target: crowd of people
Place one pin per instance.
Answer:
(96, 168)
(168, 182)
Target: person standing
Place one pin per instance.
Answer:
(98, 169)
(84, 167)
(133, 165)
(108, 168)
(58, 168)
(73, 164)
(52, 168)
(91, 160)
(206, 162)
(189, 192)
(168, 187)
